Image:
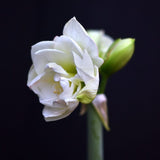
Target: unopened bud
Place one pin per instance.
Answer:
(117, 56)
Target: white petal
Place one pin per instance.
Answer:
(31, 75)
(88, 93)
(85, 63)
(91, 86)
(54, 111)
(95, 35)
(42, 45)
(67, 89)
(77, 90)
(44, 86)
(105, 43)
(56, 68)
(76, 31)
(34, 80)
(49, 101)
(76, 79)
(67, 45)
(43, 57)
(83, 75)
(102, 40)
(50, 114)
(59, 72)
(71, 103)
(97, 61)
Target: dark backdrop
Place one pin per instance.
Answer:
(133, 93)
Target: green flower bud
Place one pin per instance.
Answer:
(117, 56)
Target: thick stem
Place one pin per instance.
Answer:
(95, 135)
(95, 130)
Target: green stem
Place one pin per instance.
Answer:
(95, 130)
(103, 83)
(95, 135)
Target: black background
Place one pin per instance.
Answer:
(133, 93)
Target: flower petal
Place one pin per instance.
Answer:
(102, 40)
(76, 31)
(45, 86)
(66, 108)
(97, 61)
(31, 75)
(68, 89)
(67, 45)
(85, 63)
(105, 43)
(42, 45)
(88, 93)
(43, 57)
(57, 69)
(84, 77)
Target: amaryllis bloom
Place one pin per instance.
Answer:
(65, 71)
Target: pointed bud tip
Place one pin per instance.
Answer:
(101, 108)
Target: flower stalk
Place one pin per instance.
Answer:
(95, 129)
(95, 135)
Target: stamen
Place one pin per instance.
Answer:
(57, 88)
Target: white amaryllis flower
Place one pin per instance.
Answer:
(65, 71)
